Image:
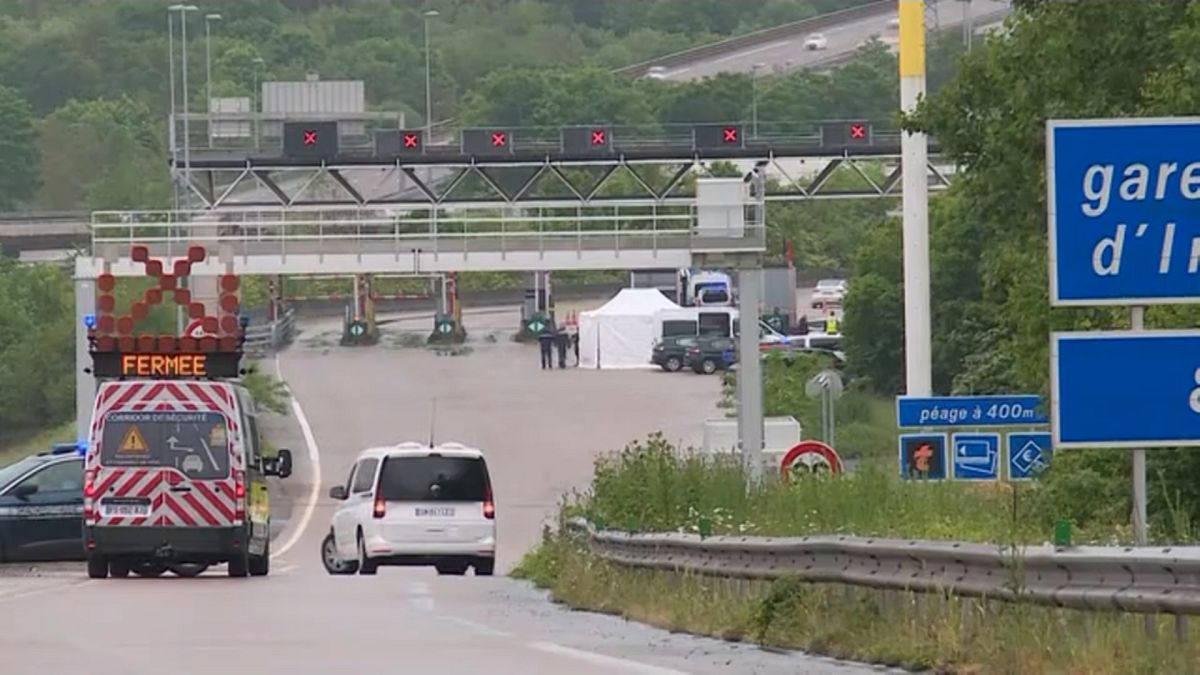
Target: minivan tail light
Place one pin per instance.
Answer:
(489, 506)
(380, 507)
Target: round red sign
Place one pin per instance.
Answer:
(811, 457)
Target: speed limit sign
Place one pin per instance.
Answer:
(809, 457)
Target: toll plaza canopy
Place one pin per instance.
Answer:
(621, 334)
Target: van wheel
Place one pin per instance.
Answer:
(334, 564)
(97, 567)
(239, 564)
(118, 570)
(673, 364)
(365, 564)
(709, 366)
(484, 567)
(260, 565)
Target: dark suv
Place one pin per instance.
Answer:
(710, 354)
(669, 353)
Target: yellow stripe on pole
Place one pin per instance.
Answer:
(912, 38)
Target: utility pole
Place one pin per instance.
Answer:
(754, 97)
(914, 149)
(431, 14)
(208, 19)
(171, 117)
(187, 154)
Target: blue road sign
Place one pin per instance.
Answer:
(1121, 202)
(1119, 389)
(976, 456)
(969, 411)
(1028, 454)
(923, 456)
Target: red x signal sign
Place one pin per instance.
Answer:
(858, 131)
(499, 139)
(411, 141)
(729, 135)
(599, 137)
(310, 137)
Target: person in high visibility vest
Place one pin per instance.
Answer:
(831, 324)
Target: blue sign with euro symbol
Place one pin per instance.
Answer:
(1028, 454)
(1122, 197)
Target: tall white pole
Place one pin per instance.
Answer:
(918, 349)
(1137, 323)
(208, 19)
(171, 132)
(187, 152)
(428, 90)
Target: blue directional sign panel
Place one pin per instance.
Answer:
(1121, 203)
(923, 456)
(969, 411)
(975, 456)
(1125, 390)
(1028, 454)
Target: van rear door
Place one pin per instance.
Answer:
(165, 469)
(435, 499)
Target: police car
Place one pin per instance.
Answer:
(41, 507)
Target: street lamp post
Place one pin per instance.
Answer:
(208, 19)
(255, 98)
(754, 97)
(187, 154)
(431, 14)
(171, 132)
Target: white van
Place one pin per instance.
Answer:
(174, 478)
(415, 505)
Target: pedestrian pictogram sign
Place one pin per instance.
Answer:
(133, 443)
(923, 456)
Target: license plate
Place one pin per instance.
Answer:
(127, 510)
(436, 511)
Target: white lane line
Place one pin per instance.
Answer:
(475, 625)
(314, 458)
(602, 660)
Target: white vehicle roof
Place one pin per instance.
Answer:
(831, 282)
(415, 449)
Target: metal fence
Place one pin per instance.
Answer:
(271, 336)
(1140, 580)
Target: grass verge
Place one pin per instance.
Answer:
(948, 634)
(652, 486)
(17, 446)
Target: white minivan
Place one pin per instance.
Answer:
(415, 505)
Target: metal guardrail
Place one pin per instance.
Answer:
(269, 337)
(781, 32)
(1139, 580)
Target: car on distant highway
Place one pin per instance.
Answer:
(414, 504)
(41, 507)
(656, 73)
(830, 289)
(815, 42)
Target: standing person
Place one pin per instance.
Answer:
(560, 341)
(831, 323)
(545, 342)
(802, 326)
(575, 340)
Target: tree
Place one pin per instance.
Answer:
(18, 170)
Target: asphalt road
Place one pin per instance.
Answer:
(540, 431)
(790, 54)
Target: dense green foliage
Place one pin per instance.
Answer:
(991, 313)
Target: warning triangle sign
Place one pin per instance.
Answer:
(133, 443)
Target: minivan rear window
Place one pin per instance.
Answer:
(433, 479)
(196, 443)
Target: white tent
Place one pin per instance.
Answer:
(621, 334)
